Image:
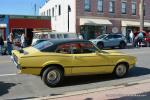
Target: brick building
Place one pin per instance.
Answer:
(95, 17)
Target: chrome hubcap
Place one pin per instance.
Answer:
(121, 70)
(53, 76)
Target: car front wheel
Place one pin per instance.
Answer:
(120, 70)
(122, 45)
(100, 45)
(52, 76)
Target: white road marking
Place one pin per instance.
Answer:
(8, 75)
(1, 62)
(138, 52)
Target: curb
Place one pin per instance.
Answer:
(68, 94)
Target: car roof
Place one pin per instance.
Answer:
(62, 41)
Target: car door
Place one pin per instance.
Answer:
(109, 41)
(117, 39)
(87, 61)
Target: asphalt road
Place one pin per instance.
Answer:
(15, 86)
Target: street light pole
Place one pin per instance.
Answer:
(141, 15)
(69, 10)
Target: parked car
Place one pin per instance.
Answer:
(38, 41)
(52, 60)
(45, 35)
(147, 41)
(110, 40)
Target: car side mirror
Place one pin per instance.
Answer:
(106, 38)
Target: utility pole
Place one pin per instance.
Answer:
(141, 14)
(35, 9)
(69, 10)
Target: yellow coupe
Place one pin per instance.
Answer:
(54, 59)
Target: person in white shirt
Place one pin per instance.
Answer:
(23, 40)
(131, 35)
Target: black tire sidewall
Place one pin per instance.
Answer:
(45, 73)
(100, 45)
(122, 45)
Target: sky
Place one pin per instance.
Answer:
(20, 7)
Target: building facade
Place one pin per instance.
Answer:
(94, 17)
(4, 26)
(18, 24)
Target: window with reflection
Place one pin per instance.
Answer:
(111, 6)
(124, 7)
(100, 5)
(87, 5)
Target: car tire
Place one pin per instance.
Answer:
(147, 44)
(120, 70)
(100, 45)
(122, 45)
(52, 76)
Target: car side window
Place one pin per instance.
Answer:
(64, 49)
(76, 48)
(117, 36)
(88, 48)
(109, 37)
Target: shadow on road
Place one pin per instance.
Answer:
(4, 87)
(138, 71)
(79, 80)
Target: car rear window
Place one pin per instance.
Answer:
(43, 45)
(117, 36)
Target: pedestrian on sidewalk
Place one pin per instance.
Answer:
(10, 46)
(23, 42)
(131, 35)
(140, 38)
(1, 45)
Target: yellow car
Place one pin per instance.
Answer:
(53, 60)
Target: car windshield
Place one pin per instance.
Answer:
(43, 45)
(101, 36)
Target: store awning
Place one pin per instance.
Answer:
(3, 25)
(89, 21)
(134, 23)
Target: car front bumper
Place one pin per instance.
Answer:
(15, 62)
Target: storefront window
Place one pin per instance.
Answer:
(91, 32)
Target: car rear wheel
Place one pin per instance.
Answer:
(120, 70)
(100, 45)
(52, 76)
(122, 45)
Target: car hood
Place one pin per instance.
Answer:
(96, 39)
(114, 52)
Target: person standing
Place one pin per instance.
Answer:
(131, 35)
(1, 45)
(140, 38)
(80, 36)
(10, 46)
(23, 44)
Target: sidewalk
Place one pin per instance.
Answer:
(138, 91)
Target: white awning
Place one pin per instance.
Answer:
(134, 23)
(3, 25)
(89, 21)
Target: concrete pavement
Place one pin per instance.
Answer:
(136, 90)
